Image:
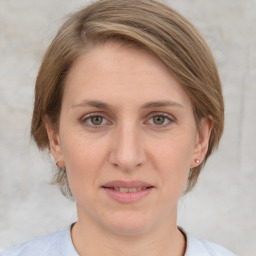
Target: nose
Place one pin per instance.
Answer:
(127, 151)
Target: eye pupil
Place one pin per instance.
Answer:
(96, 120)
(158, 120)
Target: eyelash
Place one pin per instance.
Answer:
(85, 119)
(167, 117)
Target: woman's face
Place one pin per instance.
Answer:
(128, 137)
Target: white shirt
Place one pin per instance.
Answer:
(60, 244)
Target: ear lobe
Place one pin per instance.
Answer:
(54, 140)
(202, 142)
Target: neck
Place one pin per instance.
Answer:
(91, 239)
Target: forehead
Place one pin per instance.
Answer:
(119, 57)
(113, 71)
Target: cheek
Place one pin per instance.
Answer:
(175, 152)
(172, 160)
(83, 163)
(80, 151)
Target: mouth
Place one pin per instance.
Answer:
(127, 192)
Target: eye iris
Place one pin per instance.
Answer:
(96, 120)
(158, 120)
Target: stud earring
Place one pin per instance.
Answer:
(197, 161)
(60, 163)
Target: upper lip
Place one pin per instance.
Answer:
(126, 184)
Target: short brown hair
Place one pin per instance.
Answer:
(147, 24)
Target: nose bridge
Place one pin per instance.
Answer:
(127, 152)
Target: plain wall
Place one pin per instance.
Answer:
(222, 207)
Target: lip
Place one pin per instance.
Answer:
(127, 184)
(127, 197)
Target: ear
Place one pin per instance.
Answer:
(202, 142)
(54, 140)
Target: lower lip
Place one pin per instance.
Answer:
(128, 197)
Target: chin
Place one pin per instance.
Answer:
(130, 224)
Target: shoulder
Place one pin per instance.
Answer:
(197, 247)
(47, 245)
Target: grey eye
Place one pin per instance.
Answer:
(159, 120)
(96, 120)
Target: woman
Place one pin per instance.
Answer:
(129, 102)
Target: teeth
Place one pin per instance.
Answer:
(134, 189)
(129, 190)
(124, 190)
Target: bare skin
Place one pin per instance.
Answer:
(124, 117)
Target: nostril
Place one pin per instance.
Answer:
(115, 165)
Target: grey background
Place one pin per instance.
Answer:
(222, 207)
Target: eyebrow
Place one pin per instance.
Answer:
(92, 103)
(103, 105)
(157, 104)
